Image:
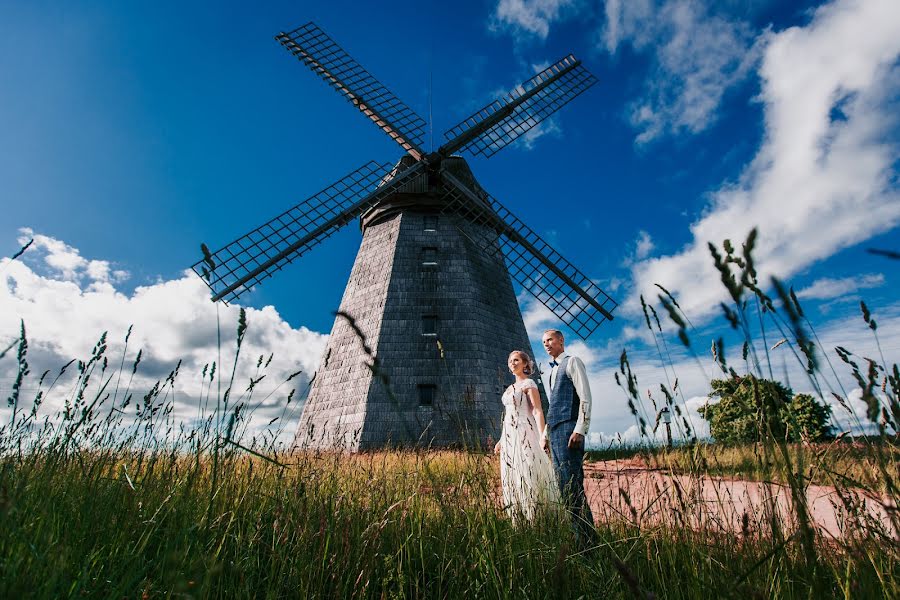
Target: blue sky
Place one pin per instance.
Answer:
(134, 132)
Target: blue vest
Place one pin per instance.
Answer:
(564, 401)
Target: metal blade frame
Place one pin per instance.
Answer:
(315, 49)
(255, 256)
(560, 286)
(505, 120)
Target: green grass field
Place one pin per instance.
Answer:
(97, 505)
(155, 523)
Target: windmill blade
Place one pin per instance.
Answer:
(315, 49)
(237, 267)
(503, 121)
(555, 282)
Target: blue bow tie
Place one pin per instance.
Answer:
(553, 363)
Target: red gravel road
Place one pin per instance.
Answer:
(632, 491)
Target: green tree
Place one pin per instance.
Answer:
(811, 418)
(750, 408)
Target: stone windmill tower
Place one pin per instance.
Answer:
(418, 351)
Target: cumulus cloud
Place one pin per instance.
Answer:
(66, 301)
(644, 245)
(823, 178)
(529, 17)
(536, 316)
(697, 58)
(642, 248)
(67, 264)
(623, 22)
(826, 288)
(588, 354)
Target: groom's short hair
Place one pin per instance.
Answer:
(555, 333)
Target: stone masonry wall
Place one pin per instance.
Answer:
(478, 324)
(336, 407)
(392, 287)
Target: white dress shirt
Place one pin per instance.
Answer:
(577, 373)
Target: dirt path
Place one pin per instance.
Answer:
(628, 489)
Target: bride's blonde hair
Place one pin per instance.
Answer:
(529, 364)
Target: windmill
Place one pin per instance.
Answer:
(432, 311)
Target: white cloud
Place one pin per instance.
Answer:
(67, 263)
(817, 184)
(549, 128)
(66, 310)
(625, 21)
(697, 58)
(536, 316)
(644, 245)
(529, 17)
(821, 181)
(590, 356)
(826, 288)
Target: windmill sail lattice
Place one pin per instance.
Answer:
(315, 49)
(533, 263)
(255, 256)
(431, 287)
(504, 120)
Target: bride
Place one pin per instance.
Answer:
(526, 475)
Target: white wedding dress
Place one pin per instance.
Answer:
(526, 475)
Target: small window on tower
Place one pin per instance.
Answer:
(427, 392)
(429, 256)
(430, 223)
(429, 325)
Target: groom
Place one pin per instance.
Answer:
(568, 419)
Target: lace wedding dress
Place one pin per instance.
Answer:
(526, 475)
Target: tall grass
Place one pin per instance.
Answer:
(751, 313)
(111, 497)
(120, 524)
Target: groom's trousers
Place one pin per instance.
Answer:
(568, 464)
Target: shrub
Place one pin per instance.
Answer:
(750, 407)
